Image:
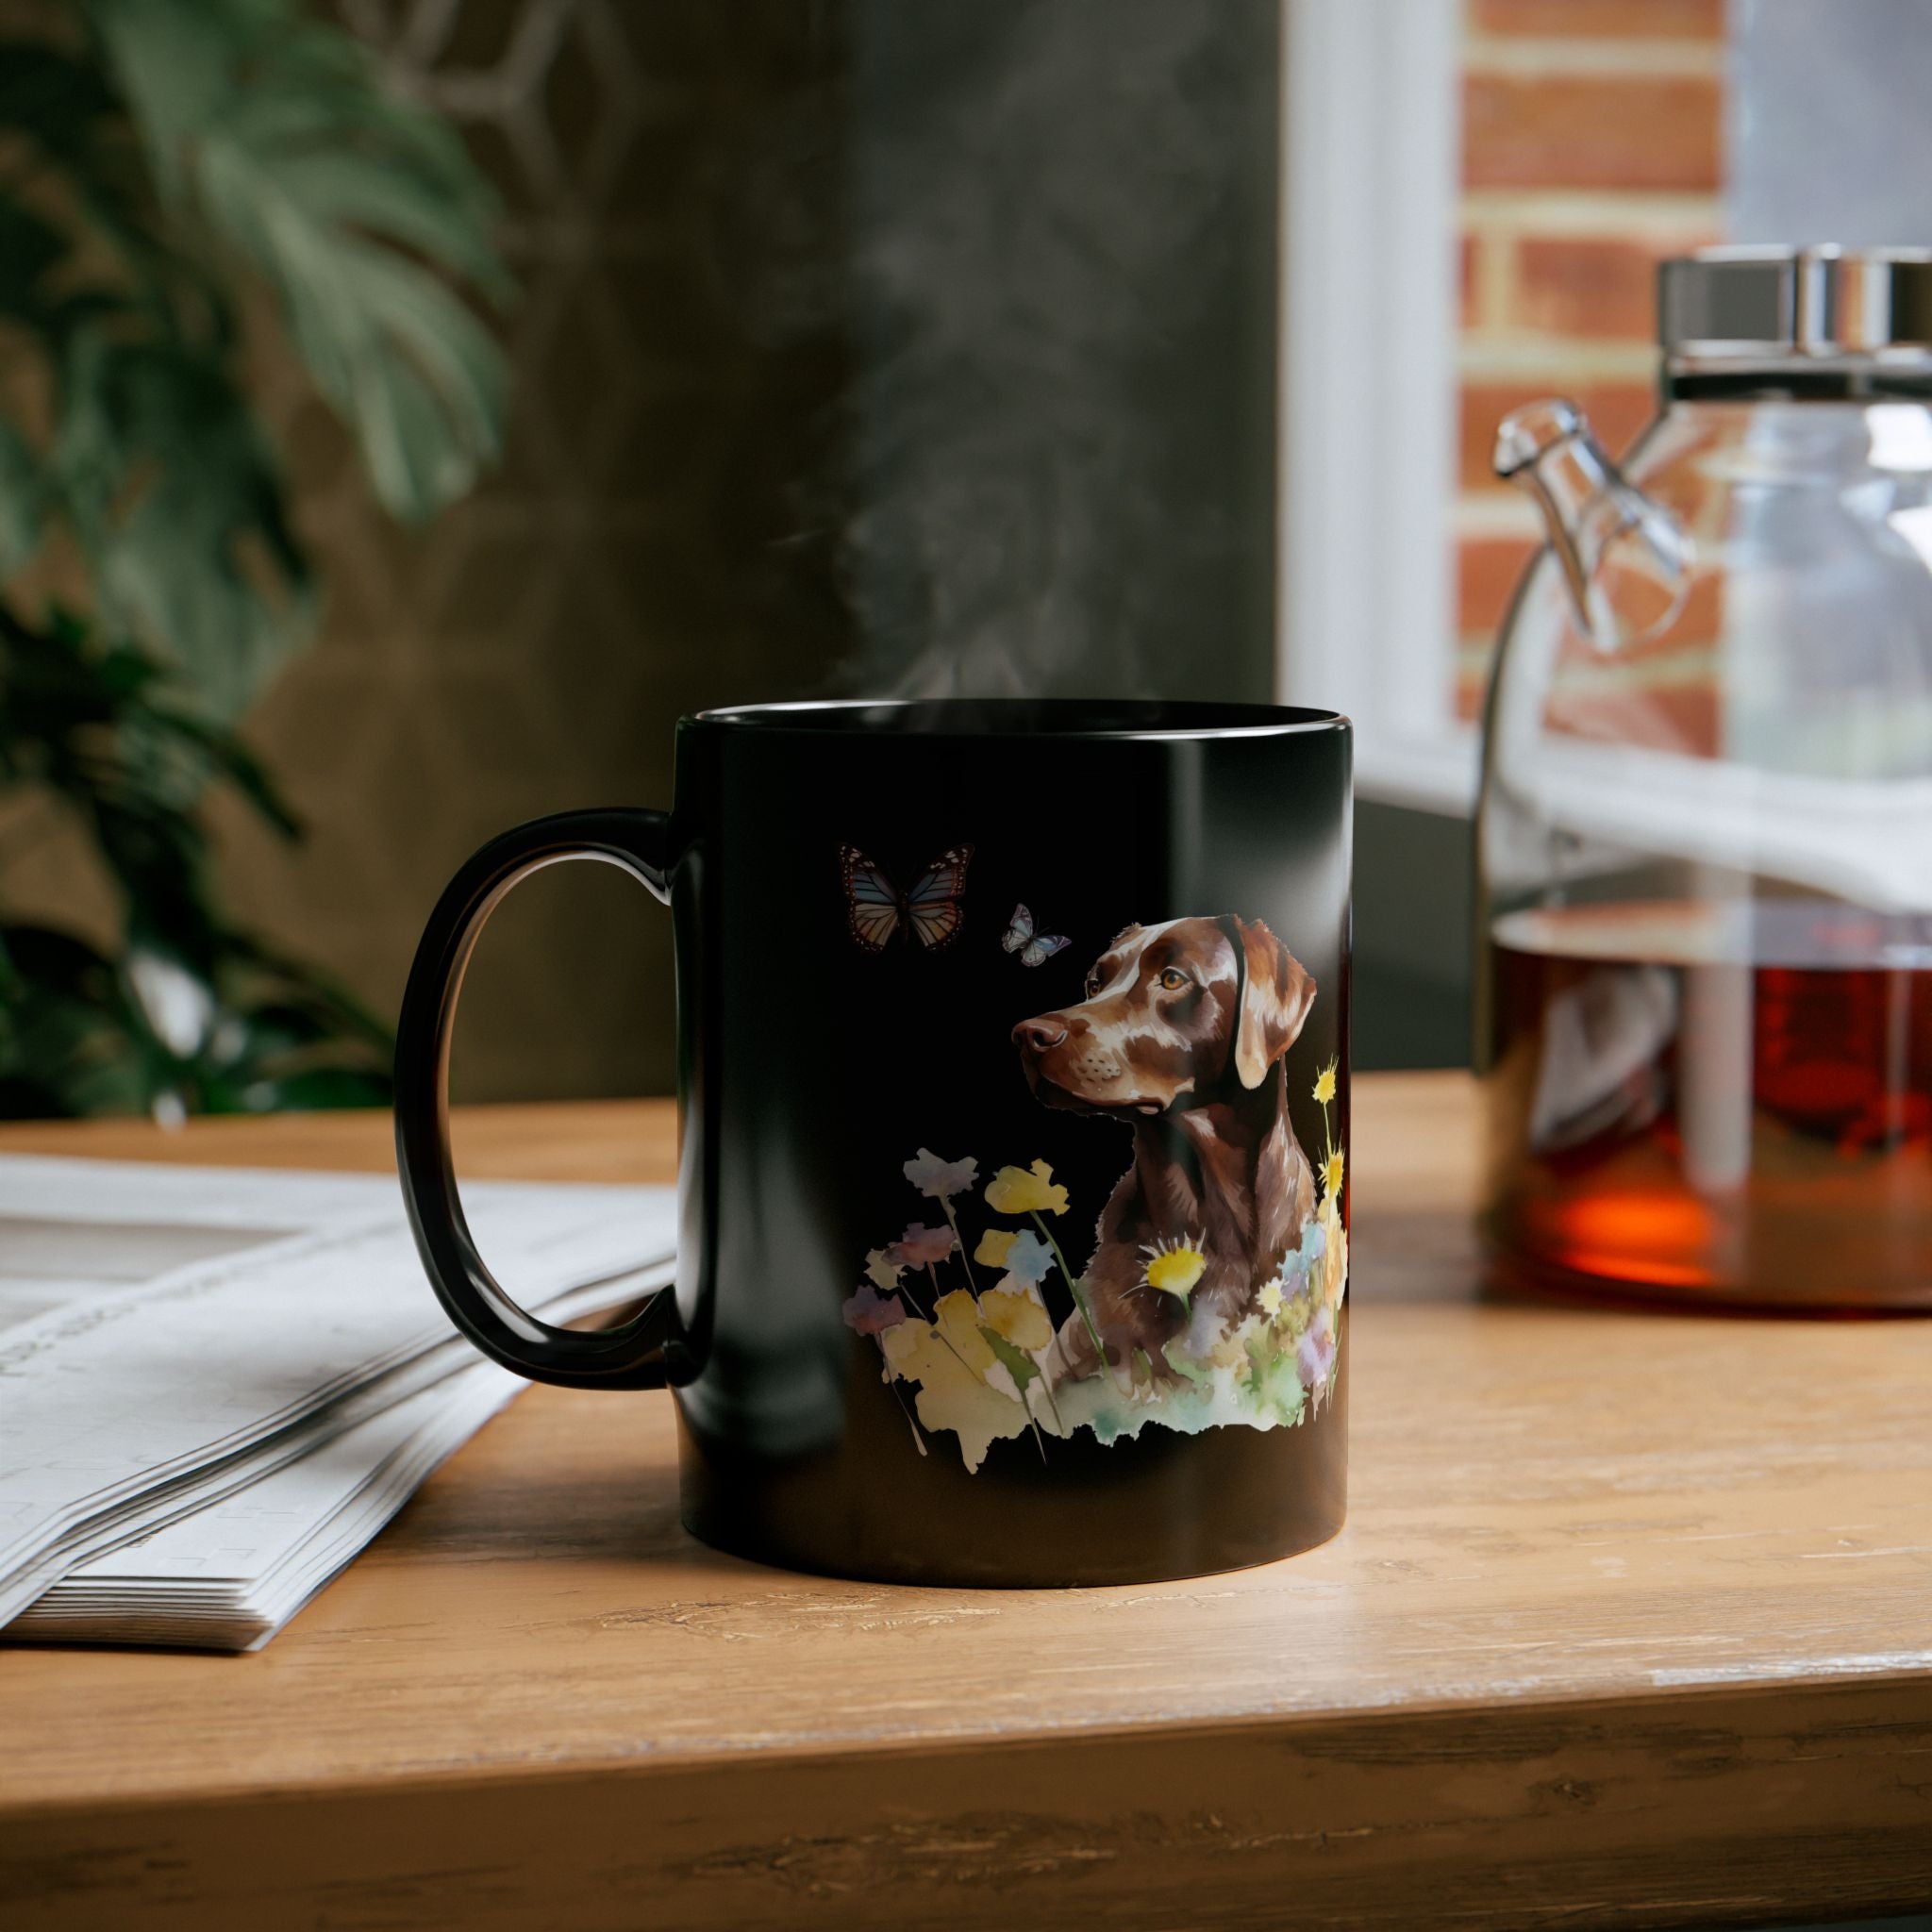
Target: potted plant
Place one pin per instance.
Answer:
(172, 174)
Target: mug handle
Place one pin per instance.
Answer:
(629, 1357)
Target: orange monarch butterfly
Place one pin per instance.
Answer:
(876, 909)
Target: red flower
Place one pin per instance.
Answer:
(921, 1247)
(872, 1313)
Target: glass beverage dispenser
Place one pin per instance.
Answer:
(1705, 837)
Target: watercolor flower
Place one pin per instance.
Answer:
(941, 1179)
(1029, 1259)
(952, 1364)
(957, 1318)
(1299, 1261)
(1173, 1267)
(921, 1246)
(1324, 1084)
(1269, 1299)
(1331, 1173)
(882, 1270)
(995, 1244)
(868, 1313)
(1334, 1282)
(1025, 1190)
(1017, 1315)
(1315, 1357)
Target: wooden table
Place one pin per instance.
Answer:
(1631, 1626)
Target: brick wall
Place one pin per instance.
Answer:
(1592, 147)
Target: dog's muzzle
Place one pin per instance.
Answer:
(1035, 1037)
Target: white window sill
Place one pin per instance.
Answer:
(1437, 772)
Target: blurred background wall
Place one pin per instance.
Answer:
(644, 551)
(859, 346)
(872, 346)
(1593, 147)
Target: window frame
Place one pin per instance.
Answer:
(1369, 308)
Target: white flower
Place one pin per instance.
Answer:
(941, 1179)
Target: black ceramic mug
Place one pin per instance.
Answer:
(1013, 1082)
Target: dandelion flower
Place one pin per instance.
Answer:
(1324, 1084)
(1332, 1174)
(994, 1246)
(941, 1179)
(1174, 1267)
(1024, 1191)
(1270, 1298)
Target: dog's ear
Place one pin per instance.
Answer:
(1276, 993)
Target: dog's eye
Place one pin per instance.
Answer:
(1093, 984)
(1173, 979)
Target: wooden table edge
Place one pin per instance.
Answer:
(1595, 1711)
(1504, 1816)
(1796, 1794)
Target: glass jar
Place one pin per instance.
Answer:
(1705, 837)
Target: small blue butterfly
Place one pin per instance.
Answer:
(1035, 949)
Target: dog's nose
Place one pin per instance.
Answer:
(1040, 1036)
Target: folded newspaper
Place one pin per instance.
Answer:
(217, 1385)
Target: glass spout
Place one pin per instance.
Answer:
(1626, 560)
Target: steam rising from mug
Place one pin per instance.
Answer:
(1056, 447)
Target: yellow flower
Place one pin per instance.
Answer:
(1270, 1298)
(1175, 1266)
(1018, 1315)
(1019, 1191)
(1335, 1255)
(1331, 1175)
(957, 1316)
(994, 1245)
(885, 1273)
(1324, 1084)
(953, 1394)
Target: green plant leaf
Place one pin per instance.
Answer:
(53, 97)
(23, 500)
(174, 496)
(352, 202)
(65, 1047)
(156, 148)
(60, 104)
(30, 248)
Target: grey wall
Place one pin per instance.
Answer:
(861, 345)
(1411, 938)
(1828, 137)
(1061, 282)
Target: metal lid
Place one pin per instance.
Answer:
(1775, 305)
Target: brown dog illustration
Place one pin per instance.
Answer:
(1181, 1035)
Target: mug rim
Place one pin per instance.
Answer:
(1023, 718)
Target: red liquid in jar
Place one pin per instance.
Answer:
(1713, 1103)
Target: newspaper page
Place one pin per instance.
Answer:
(168, 1335)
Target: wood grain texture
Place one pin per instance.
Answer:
(1630, 1625)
